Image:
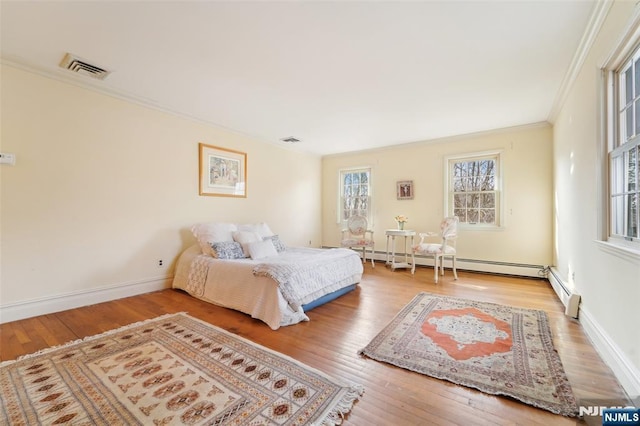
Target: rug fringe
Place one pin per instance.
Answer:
(336, 415)
(87, 339)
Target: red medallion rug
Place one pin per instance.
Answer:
(172, 370)
(497, 349)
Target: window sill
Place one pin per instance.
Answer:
(620, 251)
(480, 227)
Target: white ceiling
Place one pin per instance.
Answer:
(340, 76)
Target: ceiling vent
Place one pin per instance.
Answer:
(80, 66)
(290, 139)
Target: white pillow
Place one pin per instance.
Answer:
(261, 228)
(209, 233)
(244, 238)
(261, 249)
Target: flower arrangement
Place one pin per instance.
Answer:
(401, 219)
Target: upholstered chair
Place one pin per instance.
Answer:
(358, 236)
(446, 248)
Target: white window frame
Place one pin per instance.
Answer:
(616, 143)
(449, 205)
(341, 196)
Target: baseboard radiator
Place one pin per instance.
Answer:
(474, 265)
(569, 299)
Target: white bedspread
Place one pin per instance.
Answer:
(304, 275)
(247, 285)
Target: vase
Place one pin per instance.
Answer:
(401, 225)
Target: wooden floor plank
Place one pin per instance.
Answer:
(336, 331)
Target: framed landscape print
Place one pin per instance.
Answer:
(223, 172)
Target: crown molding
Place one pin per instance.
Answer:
(597, 18)
(99, 87)
(625, 43)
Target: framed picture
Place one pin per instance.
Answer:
(404, 189)
(223, 172)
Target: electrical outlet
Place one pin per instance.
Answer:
(160, 263)
(6, 158)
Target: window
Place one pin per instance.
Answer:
(473, 188)
(355, 193)
(624, 150)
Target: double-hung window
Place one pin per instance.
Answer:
(355, 193)
(624, 150)
(473, 189)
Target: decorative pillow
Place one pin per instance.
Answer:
(261, 249)
(244, 238)
(227, 250)
(209, 233)
(280, 247)
(261, 228)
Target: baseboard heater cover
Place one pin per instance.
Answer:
(569, 299)
(474, 265)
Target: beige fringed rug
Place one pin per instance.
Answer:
(500, 350)
(173, 370)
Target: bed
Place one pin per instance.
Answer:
(276, 286)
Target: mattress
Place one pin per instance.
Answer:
(236, 284)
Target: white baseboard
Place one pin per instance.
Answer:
(62, 302)
(626, 373)
(504, 268)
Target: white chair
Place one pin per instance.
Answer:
(448, 233)
(358, 236)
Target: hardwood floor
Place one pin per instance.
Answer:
(336, 332)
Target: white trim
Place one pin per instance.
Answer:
(60, 302)
(481, 227)
(450, 139)
(602, 156)
(502, 268)
(597, 18)
(500, 209)
(625, 42)
(608, 128)
(624, 370)
(620, 251)
(475, 265)
(99, 87)
(370, 216)
(477, 154)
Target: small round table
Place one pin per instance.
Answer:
(391, 260)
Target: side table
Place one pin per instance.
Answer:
(391, 260)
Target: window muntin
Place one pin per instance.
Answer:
(355, 193)
(473, 189)
(624, 157)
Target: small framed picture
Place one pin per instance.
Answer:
(404, 189)
(223, 172)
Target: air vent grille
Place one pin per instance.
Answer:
(290, 139)
(80, 66)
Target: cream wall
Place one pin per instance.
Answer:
(608, 280)
(527, 170)
(104, 188)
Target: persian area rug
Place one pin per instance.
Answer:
(496, 349)
(172, 370)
